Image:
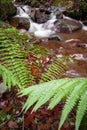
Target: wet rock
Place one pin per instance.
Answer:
(62, 27)
(55, 37)
(57, 11)
(72, 74)
(7, 9)
(40, 15)
(22, 31)
(67, 25)
(20, 23)
(82, 45)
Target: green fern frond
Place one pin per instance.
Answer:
(72, 99)
(62, 88)
(13, 56)
(56, 69)
(12, 34)
(71, 88)
(38, 51)
(82, 107)
(8, 77)
(39, 91)
(16, 69)
(66, 88)
(25, 63)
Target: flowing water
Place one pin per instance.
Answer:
(40, 30)
(73, 44)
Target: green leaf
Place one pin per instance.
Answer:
(82, 107)
(71, 101)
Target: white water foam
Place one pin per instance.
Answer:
(21, 13)
(40, 30)
(84, 27)
(44, 33)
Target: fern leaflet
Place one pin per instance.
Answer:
(71, 88)
(82, 107)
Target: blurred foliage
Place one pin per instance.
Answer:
(5, 1)
(6, 9)
(82, 5)
(63, 3)
(77, 10)
(74, 8)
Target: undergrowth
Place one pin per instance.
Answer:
(24, 67)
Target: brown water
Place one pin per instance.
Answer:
(76, 48)
(79, 34)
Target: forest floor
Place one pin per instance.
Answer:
(11, 115)
(14, 118)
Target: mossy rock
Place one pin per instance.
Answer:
(7, 9)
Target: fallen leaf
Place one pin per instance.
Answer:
(34, 70)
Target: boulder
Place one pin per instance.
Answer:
(55, 37)
(20, 22)
(67, 25)
(39, 15)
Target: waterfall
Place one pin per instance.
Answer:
(40, 30)
(47, 28)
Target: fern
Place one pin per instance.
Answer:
(13, 55)
(74, 89)
(17, 64)
(37, 54)
(82, 107)
(26, 61)
(38, 51)
(71, 100)
(56, 69)
(17, 58)
(8, 77)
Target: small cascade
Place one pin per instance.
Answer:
(23, 11)
(40, 30)
(44, 33)
(57, 22)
